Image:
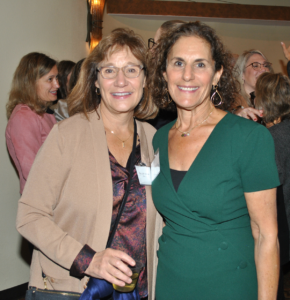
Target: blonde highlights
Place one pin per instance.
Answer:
(84, 99)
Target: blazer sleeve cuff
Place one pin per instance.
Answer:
(82, 261)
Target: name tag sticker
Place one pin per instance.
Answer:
(146, 175)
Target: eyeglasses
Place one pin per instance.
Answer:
(151, 43)
(131, 71)
(258, 66)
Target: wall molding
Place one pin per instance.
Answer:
(197, 9)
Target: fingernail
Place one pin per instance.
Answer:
(255, 119)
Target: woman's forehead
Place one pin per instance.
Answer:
(118, 52)
(256, 58)
(191, 45)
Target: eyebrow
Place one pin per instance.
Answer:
(181, 59)
(128, 64)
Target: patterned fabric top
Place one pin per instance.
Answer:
(130, 235)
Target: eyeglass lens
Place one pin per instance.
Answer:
(257, 65)
(112, 72)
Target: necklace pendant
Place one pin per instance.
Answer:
(185, 134)
(123, 144)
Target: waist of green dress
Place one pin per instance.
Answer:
(196, 225)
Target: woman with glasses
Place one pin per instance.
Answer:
(249, 66)
(70, 212)
(216, 186)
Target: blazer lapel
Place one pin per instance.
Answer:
(104, 188)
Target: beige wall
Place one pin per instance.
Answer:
(237, 35)
(57, 28)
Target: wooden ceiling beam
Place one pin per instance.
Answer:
(197, 9)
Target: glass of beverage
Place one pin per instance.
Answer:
(129, 287)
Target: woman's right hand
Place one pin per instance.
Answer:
(249, 113)
(111, 265)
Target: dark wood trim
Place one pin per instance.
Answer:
(14, 293)
(196, 9)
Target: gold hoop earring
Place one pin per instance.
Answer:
(215, 88)
(97, 91)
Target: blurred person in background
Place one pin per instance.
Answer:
(64, 73)
(249, 66)
(75, 75)
(34, 88)
(273, 97)
(164, 116)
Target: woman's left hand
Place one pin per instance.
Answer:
(111, 265)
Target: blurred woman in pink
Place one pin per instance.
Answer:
(34, 87)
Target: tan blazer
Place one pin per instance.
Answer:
(68, 198)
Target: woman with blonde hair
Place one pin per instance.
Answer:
(34, 88)
(249, 66)
(89, 216)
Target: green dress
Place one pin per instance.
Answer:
(206, 250)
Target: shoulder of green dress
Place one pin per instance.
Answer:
(162, 134)
(240, 125)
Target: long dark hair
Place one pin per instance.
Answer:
(64, 68)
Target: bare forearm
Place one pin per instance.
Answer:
(268, 265)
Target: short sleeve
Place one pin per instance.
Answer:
(257, 164)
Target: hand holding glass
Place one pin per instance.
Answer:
(129, 287)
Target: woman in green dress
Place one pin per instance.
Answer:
(217, 184)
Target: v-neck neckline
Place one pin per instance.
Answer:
(196, 158)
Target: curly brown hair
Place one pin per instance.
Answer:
(222, 58)
(273, 96)
(84, 99)
(23, 89)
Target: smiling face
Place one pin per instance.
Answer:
(47, 86)
(190, 72)
(250, 75)
(120, 94)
